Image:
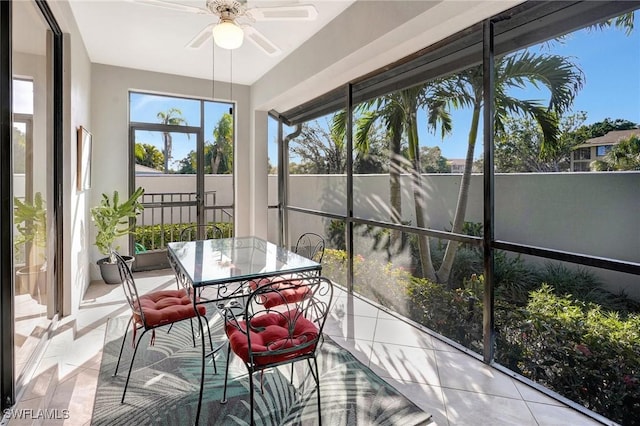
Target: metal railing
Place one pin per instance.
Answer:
(166, 214)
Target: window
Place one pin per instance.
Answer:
(183, 153)
(581, 166)
(582, 154)
(533, 213)
(602, 150)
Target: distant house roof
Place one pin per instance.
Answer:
(611, 138)
(456, 161)
(144, 170)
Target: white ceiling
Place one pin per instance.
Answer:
(349, 39)
(136, 35)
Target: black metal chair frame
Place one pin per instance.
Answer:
(314, 307)
(132, 296)
(311, 246)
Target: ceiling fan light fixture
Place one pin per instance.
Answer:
(228, 35)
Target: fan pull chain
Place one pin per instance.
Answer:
(213, 70)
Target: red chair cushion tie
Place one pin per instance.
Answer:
(275, 331)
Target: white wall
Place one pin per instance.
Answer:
(588, 213)
(110, 111)
(76, 112)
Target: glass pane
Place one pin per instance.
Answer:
(317, 166)
(390, 274)
(170, 197)
(32, 138)
(146, 108)
(300, 223)
(561, 326)
(273, 228)
(593, 212)
(218, 168)
(570, 328)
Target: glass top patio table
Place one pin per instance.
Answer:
(227, 260)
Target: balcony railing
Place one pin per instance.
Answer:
(166, 214)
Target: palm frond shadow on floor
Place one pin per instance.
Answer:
(164, 387)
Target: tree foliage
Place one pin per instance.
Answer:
(623, 156)
(601, 128)
(171, 117)
(19, 150)
(559, 76)
(432, 161)
(218, 153)
(148, 155)
(518, 146)
(320, 149)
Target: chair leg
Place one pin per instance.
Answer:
(251, 396)
(133, 357)
(213, 355)
(193, 333)
(316, 376)
(202, 367)
(226, 375)
(122, 346)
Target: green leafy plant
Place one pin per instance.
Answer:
(152, 237)
(30, 219)
(112, 218)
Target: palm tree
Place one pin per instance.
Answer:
(398, 111)
(221, 151)
(562, 78)
(148, 155)
(623, 156)
(173, 117)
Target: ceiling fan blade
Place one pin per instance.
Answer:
(284, 13)
(174, 6)
(201, 37)
(261, 41)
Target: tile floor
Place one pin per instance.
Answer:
(454, 387)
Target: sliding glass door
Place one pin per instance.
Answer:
(35, 123)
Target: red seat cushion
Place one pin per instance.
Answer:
(274, 334)
(166, 307)
(294, 293)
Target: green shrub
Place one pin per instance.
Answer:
(514, 279)
(583, 285)
(455, 314)
(153, 237)
(577, 349)
(375, 280)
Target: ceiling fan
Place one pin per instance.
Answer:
(235, 19)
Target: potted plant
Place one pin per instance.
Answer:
(30, 220)
(114, 219)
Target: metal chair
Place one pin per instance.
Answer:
(197, 232)
(201, 232)
(311, 246)
(279, 327)
(156, 309)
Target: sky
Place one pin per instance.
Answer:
(609, 58)
(145, 108)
